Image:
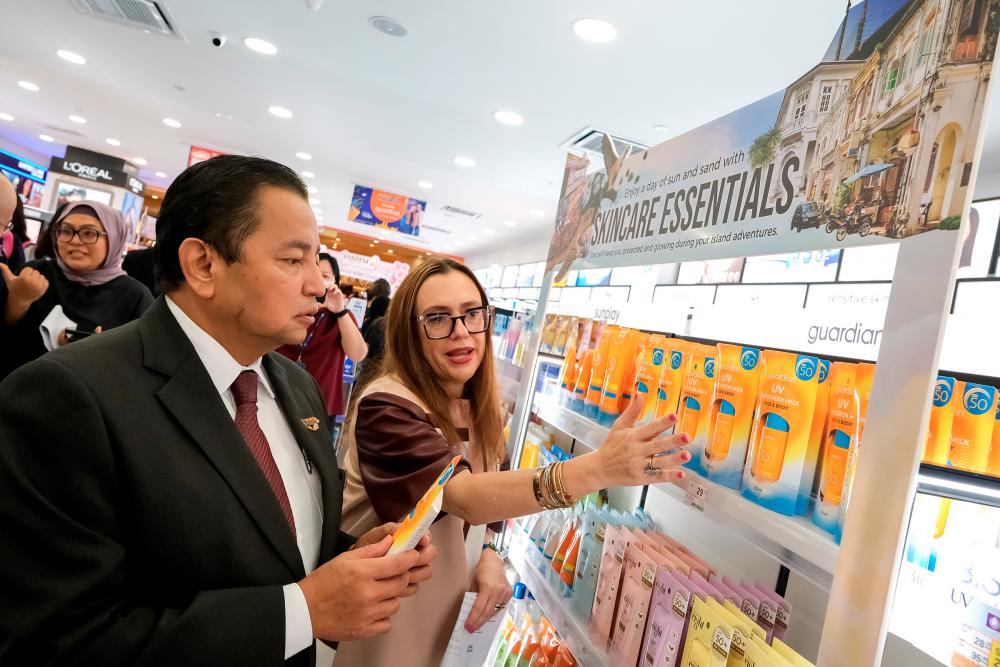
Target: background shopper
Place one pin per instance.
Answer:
(84, 288)
(437, 399)
(332, 337)
(13, 237)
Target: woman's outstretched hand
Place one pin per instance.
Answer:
(636, 455)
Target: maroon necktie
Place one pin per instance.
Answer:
(245, 392)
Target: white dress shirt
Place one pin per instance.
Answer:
(302, 487)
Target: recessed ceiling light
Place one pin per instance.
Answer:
(312, 189)
(426, 185)
(71, 57)
(390, 251)
(314, 201)
(113, 142)
(489, 232)
(661, 128)
(155, 196)
(170, 122)
(28, 85)
(376, 241)
(508, 117)
(141, 161)
(303, 156)
(308, 174)
(594, 30)
(280, 112)
(510, 223)
(46, 138)
(260, 46)
(428, 252)
(537, 212)
(464, 161)
(371, 245)
(388, 26)
(79, 120)
(7, 117)
(160, 174)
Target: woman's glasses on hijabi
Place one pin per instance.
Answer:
(88, 235)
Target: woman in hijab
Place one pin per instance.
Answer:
(84, 290)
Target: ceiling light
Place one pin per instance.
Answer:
(280, 112)
(260, 46)
(71, 57)
(79, 120)
(386, 25)
(510, 223)
(426, 185)
(160, 174)
(464, 161)
(141, 161)
(113, 142)
(27, 85)
(661, 128)
(428, 252)
(308, 174)
(489, 232)
(46, 138)
(371, 245)
(313, 200)
(155, 196)
(376, 241)
(312, 189)
(170, 122)
(537, 212)
(7, 117)
(390, 251)
(508, 117)
(594, 30)
(303, 156)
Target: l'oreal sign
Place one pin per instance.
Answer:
(86, 171)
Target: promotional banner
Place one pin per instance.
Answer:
(876, 141)
(386, 210)
(200, 154)
(370, 268)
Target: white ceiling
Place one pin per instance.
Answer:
(390, 112)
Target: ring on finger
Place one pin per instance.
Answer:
(498, 606)
(652, 470)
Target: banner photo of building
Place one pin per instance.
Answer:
(386, 210)
(876, 141)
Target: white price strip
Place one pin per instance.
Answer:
(696, 493)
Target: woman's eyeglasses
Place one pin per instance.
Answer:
(88, 235)
(441, 325)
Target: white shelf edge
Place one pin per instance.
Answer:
(573, 631)
(793, 541)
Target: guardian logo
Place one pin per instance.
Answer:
(749, 357)
(657, 356)
(805, 367)
(675, 360)
(709, 367)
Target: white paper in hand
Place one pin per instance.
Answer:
(468, 649)
(53, 325)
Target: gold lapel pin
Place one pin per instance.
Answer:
(311, 423)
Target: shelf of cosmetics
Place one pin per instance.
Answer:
(527, 638)
(508, 339)
(645, 599)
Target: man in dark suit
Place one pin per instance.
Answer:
(168, 492)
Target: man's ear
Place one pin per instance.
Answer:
(200, 265)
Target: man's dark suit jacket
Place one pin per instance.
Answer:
(135, 525)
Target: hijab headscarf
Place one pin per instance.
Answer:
(114, 225)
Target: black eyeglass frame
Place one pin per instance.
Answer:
(490, 311)
(57, 231)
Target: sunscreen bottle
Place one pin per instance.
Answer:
(770, 456)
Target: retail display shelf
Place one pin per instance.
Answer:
(509, 378)
(574, 632)
(793, 541)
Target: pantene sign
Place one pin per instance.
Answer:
(371, 267)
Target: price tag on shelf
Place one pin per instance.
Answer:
(695, 496)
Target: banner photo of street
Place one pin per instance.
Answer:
(877, 141)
